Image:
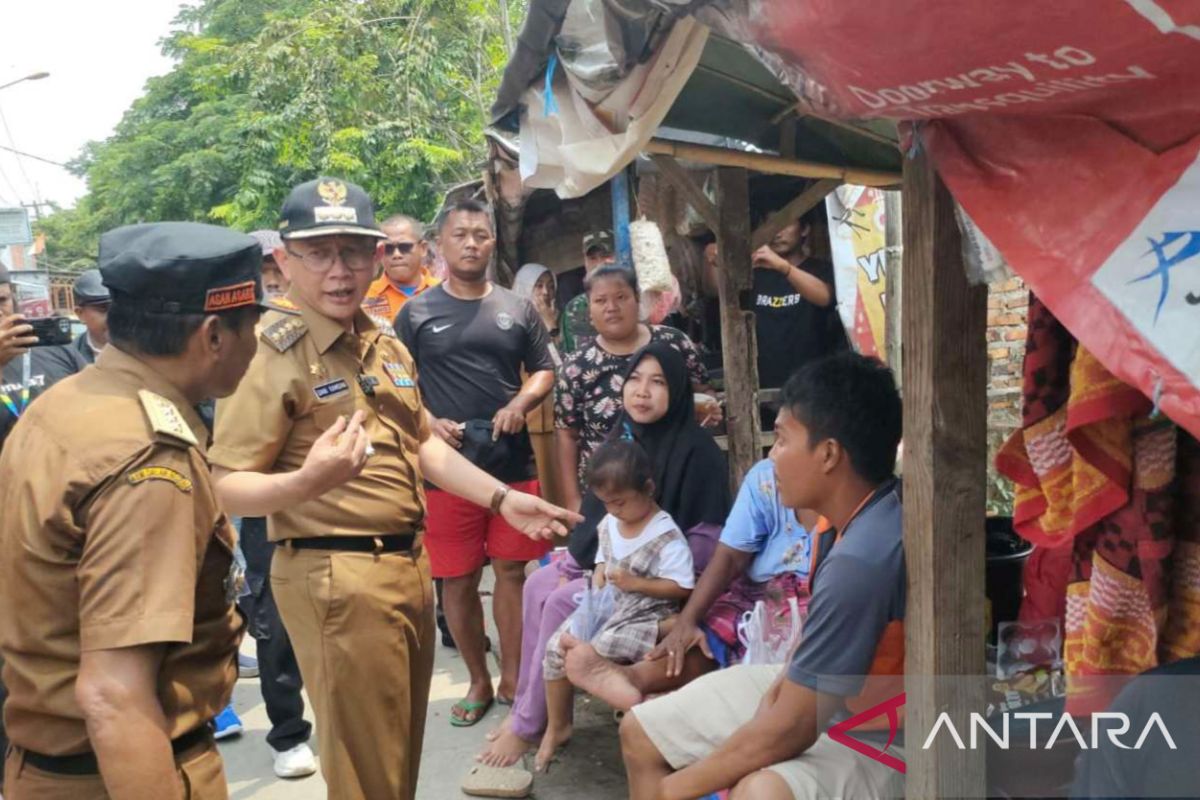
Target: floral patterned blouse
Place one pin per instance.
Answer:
(587, 394)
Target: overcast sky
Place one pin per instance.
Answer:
(99, 55)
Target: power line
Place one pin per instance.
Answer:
(20, 164)
(35, 158)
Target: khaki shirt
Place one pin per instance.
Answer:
(305, 375)
(111, 537)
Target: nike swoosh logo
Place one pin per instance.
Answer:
(440, 328)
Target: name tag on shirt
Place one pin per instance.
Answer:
(398, 374)
(329, 389)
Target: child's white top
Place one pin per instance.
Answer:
(675, 560)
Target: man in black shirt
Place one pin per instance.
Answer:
(471, 340)
(794, 307)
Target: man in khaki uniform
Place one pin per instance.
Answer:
(117, 581)
(327, 437)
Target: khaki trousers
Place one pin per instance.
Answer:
(200, 771)
(362, 628)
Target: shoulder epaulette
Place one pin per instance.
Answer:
(384, 326)
(165, 419)
(283, 333)
(283, 305)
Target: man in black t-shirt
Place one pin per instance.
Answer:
(795, 310)
(471, 340)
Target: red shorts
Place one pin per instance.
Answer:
(460, 535)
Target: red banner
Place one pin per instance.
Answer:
(1070, 133)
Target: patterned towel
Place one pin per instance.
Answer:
(1095, 474)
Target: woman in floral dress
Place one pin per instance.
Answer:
(588, 391)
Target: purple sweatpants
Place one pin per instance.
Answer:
(546, 606)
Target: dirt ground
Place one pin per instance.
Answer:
(588, 769)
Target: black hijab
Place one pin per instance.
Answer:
(690, 475)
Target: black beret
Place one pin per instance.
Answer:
(182, 267)
(89, 289)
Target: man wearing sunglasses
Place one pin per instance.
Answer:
(328, 438)
(402, 256)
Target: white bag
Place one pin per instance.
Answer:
(769, 634)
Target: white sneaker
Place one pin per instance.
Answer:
(298, 762)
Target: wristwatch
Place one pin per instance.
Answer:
(498, 497)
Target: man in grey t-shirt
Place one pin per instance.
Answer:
(759, 728)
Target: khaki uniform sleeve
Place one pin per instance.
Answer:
(253, 423)
(141, 554)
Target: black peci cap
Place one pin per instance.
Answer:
(182, 267)
(327, 207)
(89, 289)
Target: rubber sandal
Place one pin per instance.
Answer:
(505, 701)
(484, 781)
(471, 711)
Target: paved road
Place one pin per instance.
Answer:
(449, 751)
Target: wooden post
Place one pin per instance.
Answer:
(738, 342)
(895, 281)
(945, 405)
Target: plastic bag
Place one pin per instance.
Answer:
(770, 631)
(595, 607)
(1028, 645)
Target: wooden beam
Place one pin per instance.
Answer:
(773, 165)
(738, 342)
(678, 177)
(802, 203)
(945, 407)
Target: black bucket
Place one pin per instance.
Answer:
(1006, 556)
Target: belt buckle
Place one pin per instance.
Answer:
(378, 545)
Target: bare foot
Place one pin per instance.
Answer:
(500, 730)
(551, 742)
(505, 751)
(601, 678)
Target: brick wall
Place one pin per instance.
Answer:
(1008, 302)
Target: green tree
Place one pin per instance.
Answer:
(392, 94)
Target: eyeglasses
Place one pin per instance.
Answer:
(404, 248)
(357, 259)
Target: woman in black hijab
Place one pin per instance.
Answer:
(691, 484)
(690, 476)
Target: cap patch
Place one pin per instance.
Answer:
(226, 297)
(160, 474)
(323, 214)
(333, 192)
